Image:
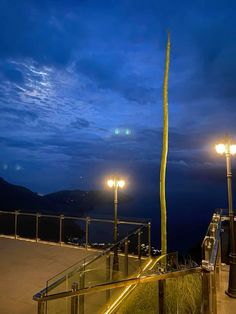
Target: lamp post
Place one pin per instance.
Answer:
(229, 150)
(116, 184)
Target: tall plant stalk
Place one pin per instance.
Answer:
(164, 153)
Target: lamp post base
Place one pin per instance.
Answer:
(231, 292)
(116, 261)
(115, 268)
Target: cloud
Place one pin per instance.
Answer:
(74, 71)
(80, 123)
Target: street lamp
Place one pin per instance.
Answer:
(228, 149)
(116, 184)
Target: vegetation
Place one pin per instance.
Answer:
(183, 296)
(164, 152)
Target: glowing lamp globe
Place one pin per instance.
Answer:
(110, 183)
(232, 149)
(220, 148)
(121, 183)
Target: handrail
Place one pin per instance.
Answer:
(59, 236)
(93, 259)
(120, 221)
(87, 220)
(117, 284)
(210, 243)
(207, 271)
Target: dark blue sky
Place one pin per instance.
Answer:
(72, 72)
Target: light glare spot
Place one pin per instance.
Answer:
(18, 168)
(121, 183)
(127, 132)
(110, 183)
(232, 149)
(220, 148)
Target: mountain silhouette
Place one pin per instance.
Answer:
(15, 197)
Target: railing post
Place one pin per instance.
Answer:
(139, 244)
(218, 261)
(126, 270)
(81, 297)
(74, 300)
(206, 293)
(87, 232)
(16, 222)
(60, 232)
(108, 274)
(37, 227)
(149, 240)
(41, 307)
(213, 292)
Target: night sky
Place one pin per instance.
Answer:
(81, 98)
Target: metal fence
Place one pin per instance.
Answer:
(124, 294)
(65, 230)
(160, 285)
(126, 258)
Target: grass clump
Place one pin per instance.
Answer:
(182, 296)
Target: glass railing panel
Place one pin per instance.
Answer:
(142, 299)
(94, 302)
(89, 274)
(60, 306)
(65, 278)
(183, 294)
(120, 261)
(225, 242)
(167, 263)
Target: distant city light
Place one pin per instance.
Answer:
(117, 131)
(127, 132)
(5, 167)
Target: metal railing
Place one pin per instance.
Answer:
(188, 288)
(98, 269)
(211, 262)
(132, 290)
(65, 230)
(74, 289)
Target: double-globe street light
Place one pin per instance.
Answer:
(228, 149)
(115, 183)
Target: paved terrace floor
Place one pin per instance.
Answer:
(24, 269)
(225, 304)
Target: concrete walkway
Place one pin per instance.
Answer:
(24, 269)
(225, 304)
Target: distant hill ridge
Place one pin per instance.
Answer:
(16, 197)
